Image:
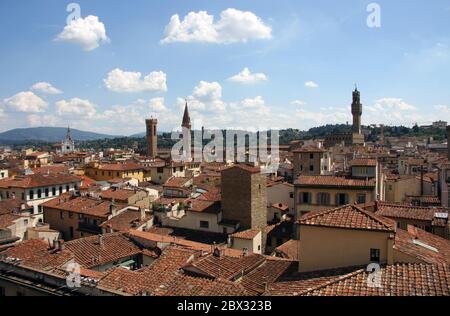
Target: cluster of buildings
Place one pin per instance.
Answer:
(149, 226)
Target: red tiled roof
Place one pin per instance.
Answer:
(11, 206)
(88, 252)
(248, 234)
(421, 245)
(257, 281)
(37, 254)
(396, 210)
(117, 194)
(51, 169)
(38, 180)
(128, 166)
(245, 167)
(289, 250)
(200, 206)
(396, 280)
(224, 267)
(177, 182)
(7, 220)
(333, 181)
(126, 220)
(81, 205)
(165, 239)
(348, 216)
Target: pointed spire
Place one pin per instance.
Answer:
(186, 118)
(69, 135)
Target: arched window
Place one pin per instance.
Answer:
(53, 191)
(67, 188)
(31, 195)
(46, 192)
(60, 190)
(39, 193)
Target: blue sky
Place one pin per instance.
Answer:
(303, 58)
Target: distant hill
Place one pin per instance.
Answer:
(143, 134)
(47, 134)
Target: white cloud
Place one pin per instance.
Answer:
(257, 102)
(45, 87)
(298, 102)
(246, 77)
(35, 120)
(2, 113)
(233, 26)
(208, 91)
(26, 102)
(88, 32)
(76, 107)
(311, 84)
(124, 81)
(157, 105)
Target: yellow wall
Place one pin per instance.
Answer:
(326, 248)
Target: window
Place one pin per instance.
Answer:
(67, 188)
(23, 196)
(25, 222)
(311, 156)
(311, 168)
(61, 215)
(361, 198)
(323, 198)
(117, 174)
(53, 191)
(70, 215)
(305, 198)
(341, 199)
(204, 224)
(375, 255)
(71, 232)
(291, 195)
(2, 291)
(46, 192)
(159, 170)
(39, 193)
(60, 190)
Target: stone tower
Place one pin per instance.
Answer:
(244, 196)
(186, 125)
(152, 137)
(356, 111)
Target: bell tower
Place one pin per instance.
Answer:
(152, 137)
(356, 111)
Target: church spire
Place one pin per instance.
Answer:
(69, 134)
(186, 118)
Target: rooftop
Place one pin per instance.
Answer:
(332, 181)
(350, 217)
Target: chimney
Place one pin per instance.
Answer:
(100, 240)
(245, 252)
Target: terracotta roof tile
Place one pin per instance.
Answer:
(396, 280)
(348, 216)
(396, 210)
(89, 252)
(421, 245)
(333, 181)
(248, 234)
